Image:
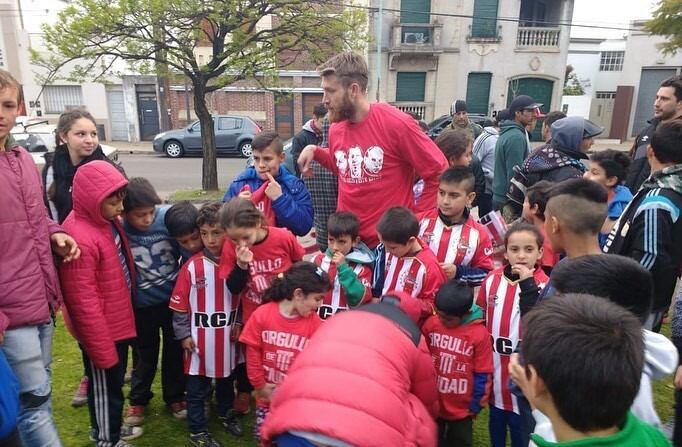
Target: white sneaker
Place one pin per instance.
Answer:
(129, 432)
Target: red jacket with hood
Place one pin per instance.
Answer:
(98, 304)
(362, 381)
(28, 278)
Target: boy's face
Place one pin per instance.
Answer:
(342, 243)
(527, 213)
(112, 207)
(396, 249)
(597, 174)
(191, 242)
(242, 236)
(448, 321)
(213, 237)
(141, 218)
(522, 249)
(267, 161)
(9, 110)
(453, 198)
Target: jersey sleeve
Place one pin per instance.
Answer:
(228, 259)
(324, 157)
(179, 300)
(481, 299)
(483, 351)
(435, 278)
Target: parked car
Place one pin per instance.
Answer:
(233, 135)
(288, 160)
(436, 126)
(38, 138)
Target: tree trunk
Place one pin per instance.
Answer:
(209, 173)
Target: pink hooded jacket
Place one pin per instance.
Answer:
(97, 301)
(360, 380)
(28, 278)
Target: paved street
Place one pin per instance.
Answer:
(168, 175)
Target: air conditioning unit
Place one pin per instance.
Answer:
(417, 38)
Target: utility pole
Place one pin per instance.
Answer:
(379, 28)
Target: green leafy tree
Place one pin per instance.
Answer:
(667, 21)
(249, 40)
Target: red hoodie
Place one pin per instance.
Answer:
(376, 161)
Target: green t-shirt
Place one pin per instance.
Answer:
(635, 433)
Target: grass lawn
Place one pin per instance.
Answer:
(162, 430)
(196, 195)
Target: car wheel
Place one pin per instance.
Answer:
(245, 149)
(173, 149)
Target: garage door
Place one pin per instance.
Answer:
(117, 115)
(310, 100)
(284, 117)
(648, 86)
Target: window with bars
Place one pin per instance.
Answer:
(59, 98)
(605, 95)
(611, 61)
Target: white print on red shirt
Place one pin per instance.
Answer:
(358, 165)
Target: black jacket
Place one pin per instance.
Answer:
(639, 168)
(305, 137)
(650, 232)
(479, 176)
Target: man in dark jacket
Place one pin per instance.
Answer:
(310, 134)
(667, 107)
(650, 229)
(460, 119)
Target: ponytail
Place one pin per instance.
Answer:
(241, 213)
(302, 275)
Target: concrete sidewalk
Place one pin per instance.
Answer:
(125, 147)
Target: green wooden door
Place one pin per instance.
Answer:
(478, 92)
(540, 90)
(484, 23)
(410, 86)
(415, 11)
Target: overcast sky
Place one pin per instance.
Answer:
(616, 13)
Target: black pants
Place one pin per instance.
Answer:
(242, 379)
(150, 322)
(677, 433)
(455, 433)
(105, 397)
(198, 390)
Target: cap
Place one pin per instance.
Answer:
(590, 129)
(458, 106)
(522, 102)
(503, 115)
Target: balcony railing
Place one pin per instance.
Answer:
(535, 38)
(421, 109)
(416, 37)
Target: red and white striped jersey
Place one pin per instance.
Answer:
(212, 310)
(335, 299)
(420, 276)
(499, 298)
(467, 243)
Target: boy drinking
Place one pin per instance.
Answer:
(461, 245)
(348, 263)
(462, 355)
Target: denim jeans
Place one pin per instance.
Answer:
(29, 353)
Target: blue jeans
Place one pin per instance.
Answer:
(498, 422)
(29, 353)
(198, 390)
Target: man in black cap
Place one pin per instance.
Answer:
(512, 146)
(460, 119)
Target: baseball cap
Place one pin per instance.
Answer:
(522, 102)
(503, 115)
(590, 129)
(458, 106)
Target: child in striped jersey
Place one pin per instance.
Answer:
(205, 320)
(461, 245)
(504, 296)
(347, 261)
(410, 266)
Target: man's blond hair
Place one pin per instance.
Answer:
(349, 67)
(8, 81)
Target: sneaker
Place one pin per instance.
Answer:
(122, 443)
(134, 415)
(203, 440)
(242, 404)
(80, 398)
(128, 432)
(232, 424)
(668, 428)
(179, 409)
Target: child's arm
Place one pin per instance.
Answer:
(528, 294)
(483, 367)
(324, 157)
(481, 262)
(238, 278)
(427, 297)
(250, 337)
(357, 289)
(294, 208)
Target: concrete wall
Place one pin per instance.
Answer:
(577, 105)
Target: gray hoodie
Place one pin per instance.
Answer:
(484, 151)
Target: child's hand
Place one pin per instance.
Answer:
(65, 247)
(244, 257)
(523, 271)
(338, 258)
(305, 160)
(265, 393)
(450, 270)
(517, 372)
(274, 189)
(188, 345)
(245, 194)
(235, 332)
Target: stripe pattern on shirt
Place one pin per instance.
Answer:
(452, 244)
(405, 274)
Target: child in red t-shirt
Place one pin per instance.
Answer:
(463, 357)
(273, 251)
(534, 213)
(410, 266)
(278, 330)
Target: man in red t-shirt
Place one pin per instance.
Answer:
(375, 150)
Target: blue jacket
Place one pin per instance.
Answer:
(9, 398)
(293, 209)
(156, 258)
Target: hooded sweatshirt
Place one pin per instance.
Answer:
(511, 149)
(484, 151)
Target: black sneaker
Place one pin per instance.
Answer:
(203, 440)
(232, 424)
